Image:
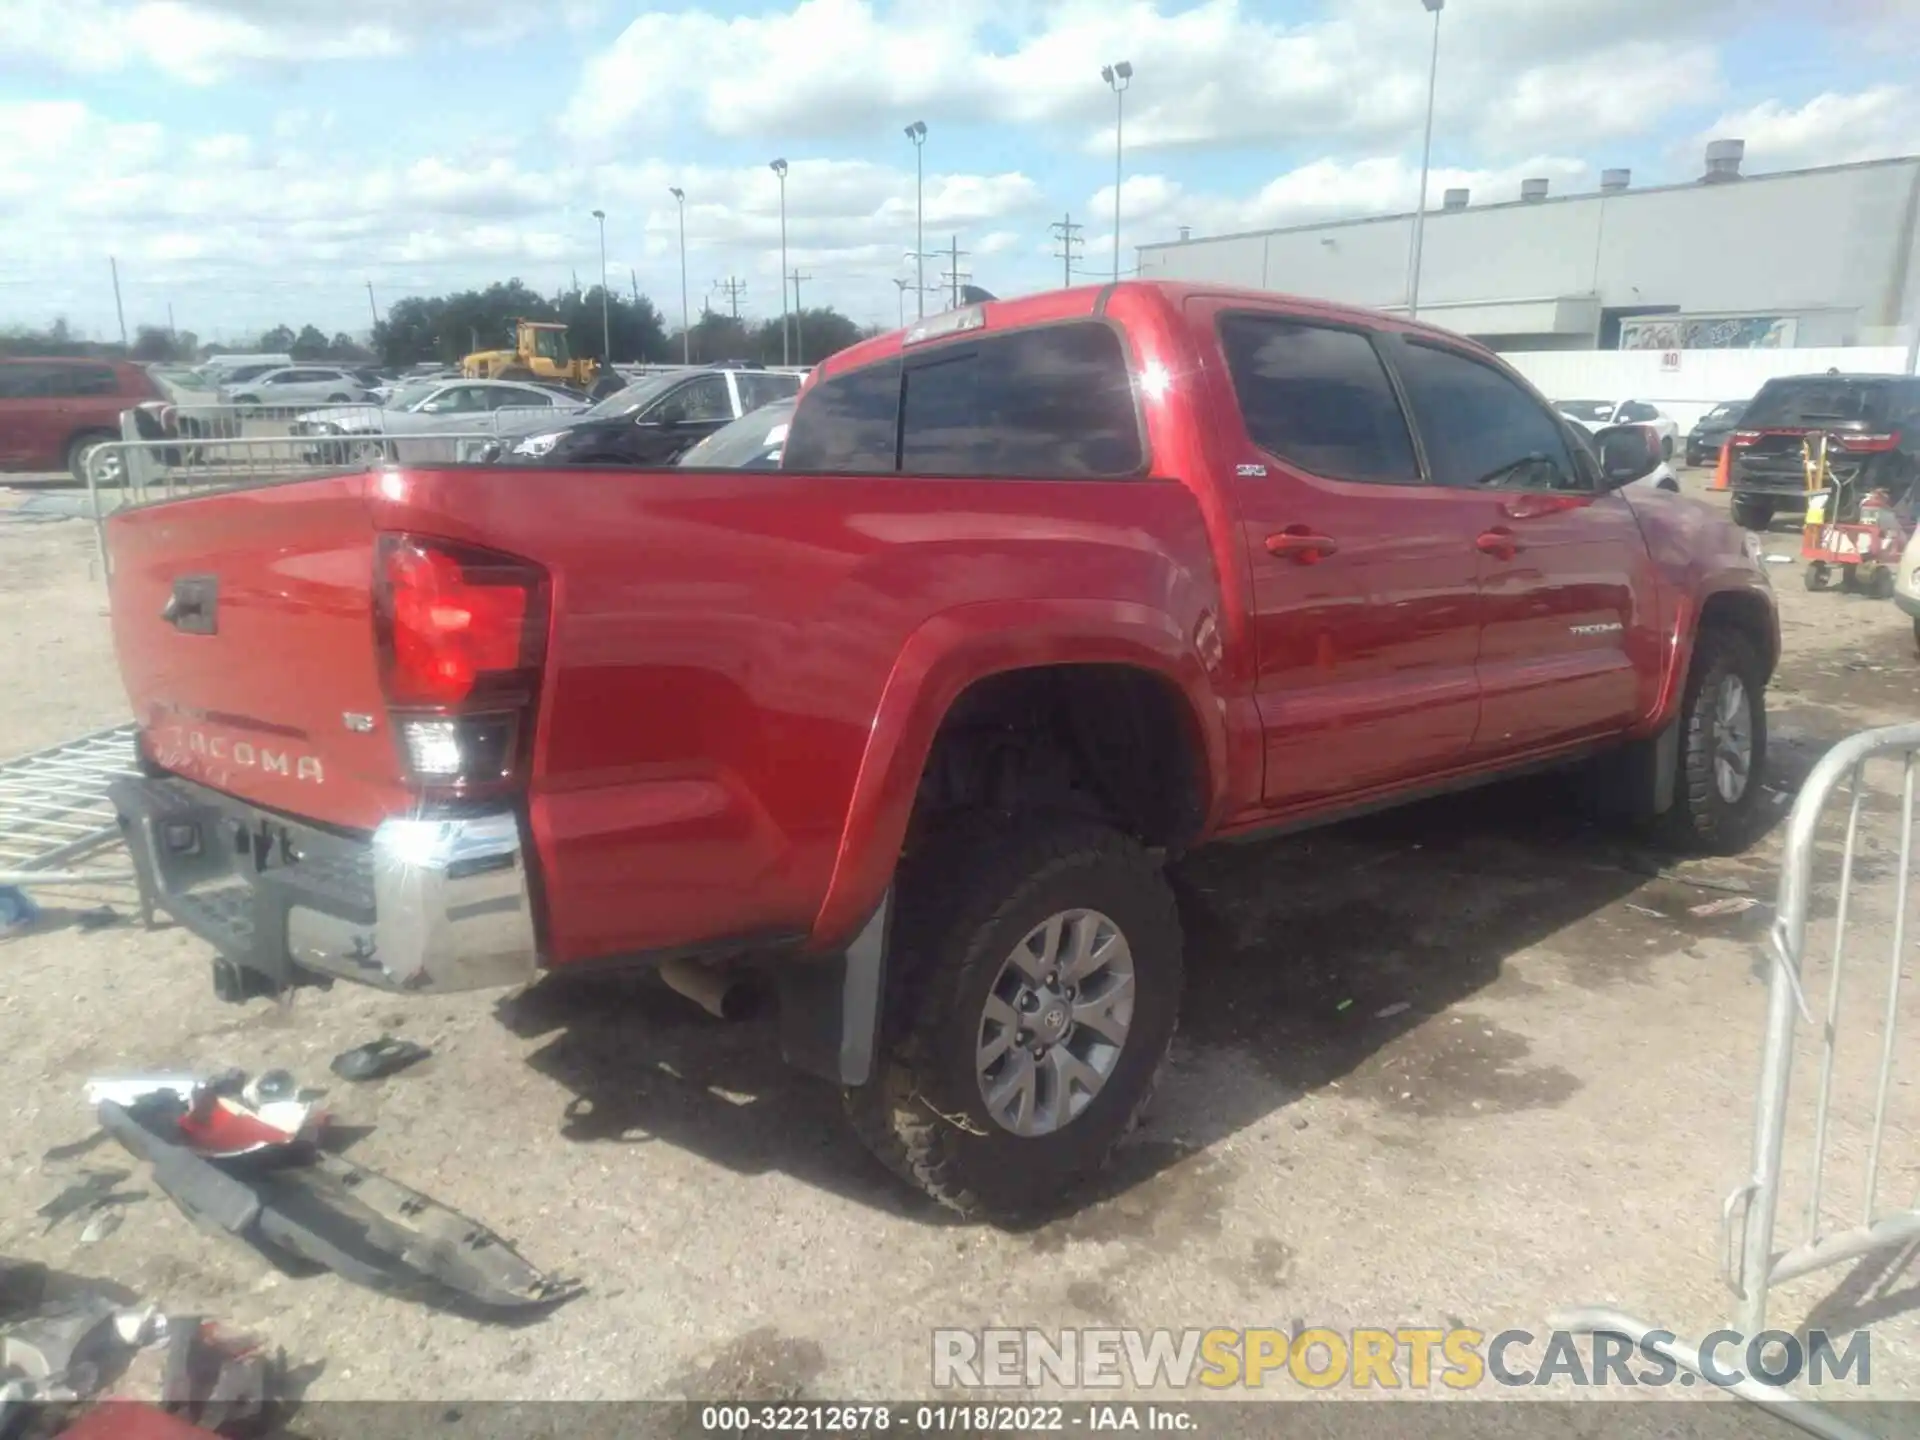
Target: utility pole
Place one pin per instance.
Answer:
(733, 289)
(119, 309)
(955, 276)
(375, 309)
(171, 332)
(799, 333)
(1068, 234)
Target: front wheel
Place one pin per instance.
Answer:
(1752, 512)
(1817, 576)
(1037, 980)
(1723, 745)
(1666, 447)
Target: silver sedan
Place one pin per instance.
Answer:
(425, 420)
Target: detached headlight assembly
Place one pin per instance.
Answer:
(534, 446)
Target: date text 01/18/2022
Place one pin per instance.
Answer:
(941, 1418)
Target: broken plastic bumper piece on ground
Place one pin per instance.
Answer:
(221, 1116)
(319, 1210)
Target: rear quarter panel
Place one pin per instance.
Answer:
(735, 654)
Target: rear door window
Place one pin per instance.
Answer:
(1317, 397)
(1054, 402)
(763, 389)
(848, 424)
(1482, 430)
(1815, 400)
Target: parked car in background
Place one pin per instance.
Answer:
(298, 385)
(653, 421)
(54, 411)
(1598, 414)
(426, 408)
(1712, 431)
(1906, 584)
(753, 442)
(1875, 424)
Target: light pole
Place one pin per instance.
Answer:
(606, 329)
(779, 167)
(901, 286)
(686, 334)
(1426, 157)
(917, 133)
(1118, 76)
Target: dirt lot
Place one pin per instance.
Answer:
(1462, 1064)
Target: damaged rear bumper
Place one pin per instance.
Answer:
(421, 904)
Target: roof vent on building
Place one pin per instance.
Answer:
(1186, 232)
(1534, 189)
(1454, 200)
(1614, 181)
(1723, 160)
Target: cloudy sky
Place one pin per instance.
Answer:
(257, 161)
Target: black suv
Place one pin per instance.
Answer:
(1874, 422)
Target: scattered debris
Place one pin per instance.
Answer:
(221, 1116)
(1343, 1005)
(1732, 905)
(17, 911)
(1646, 910)
(96, 1190)
(1399, 1007)
(318, 1208)
(378, 1058)
(103, 1224)
(1773, 559)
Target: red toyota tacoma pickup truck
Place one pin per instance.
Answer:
(1047, 592)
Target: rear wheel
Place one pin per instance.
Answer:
(1752, 512)
(338, 399)
(1666, 447)
(368, 452)
(1817, 576)
(1036, 983)
(112, 468)
(1723, 745)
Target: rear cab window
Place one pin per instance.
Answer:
(1815, 400)
(1051, 402)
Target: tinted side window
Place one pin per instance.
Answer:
(25, 382)
(1317, 398)
(90, 380)
(1480, 428)
(1054, 402)
(848, 423)
(1636, 412)
(758, 390)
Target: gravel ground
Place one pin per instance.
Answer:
(1466, 1063)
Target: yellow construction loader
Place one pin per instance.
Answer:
(540, 352)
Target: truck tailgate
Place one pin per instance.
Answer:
(243, 623)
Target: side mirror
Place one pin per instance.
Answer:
(1627, 453)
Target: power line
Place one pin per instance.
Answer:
(1068, 234)
(955, 276)
(733, 288)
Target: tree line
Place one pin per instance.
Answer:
(443, 328)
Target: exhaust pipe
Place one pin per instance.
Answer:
(723, 994)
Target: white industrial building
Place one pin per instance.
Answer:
(1801, 259)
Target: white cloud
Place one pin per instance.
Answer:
(260, 222)
(1829, 129)
(1514, 72)
(203, 41)
(1153, 207)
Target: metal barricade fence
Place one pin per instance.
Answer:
(1753, 1211)
(195, 454)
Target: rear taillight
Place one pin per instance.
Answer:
(1743, 438)
(461, 633)
(1870, 444)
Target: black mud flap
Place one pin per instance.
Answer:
(1636, 782)
(830, 1005)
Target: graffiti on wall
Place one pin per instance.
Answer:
(1707, 332)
